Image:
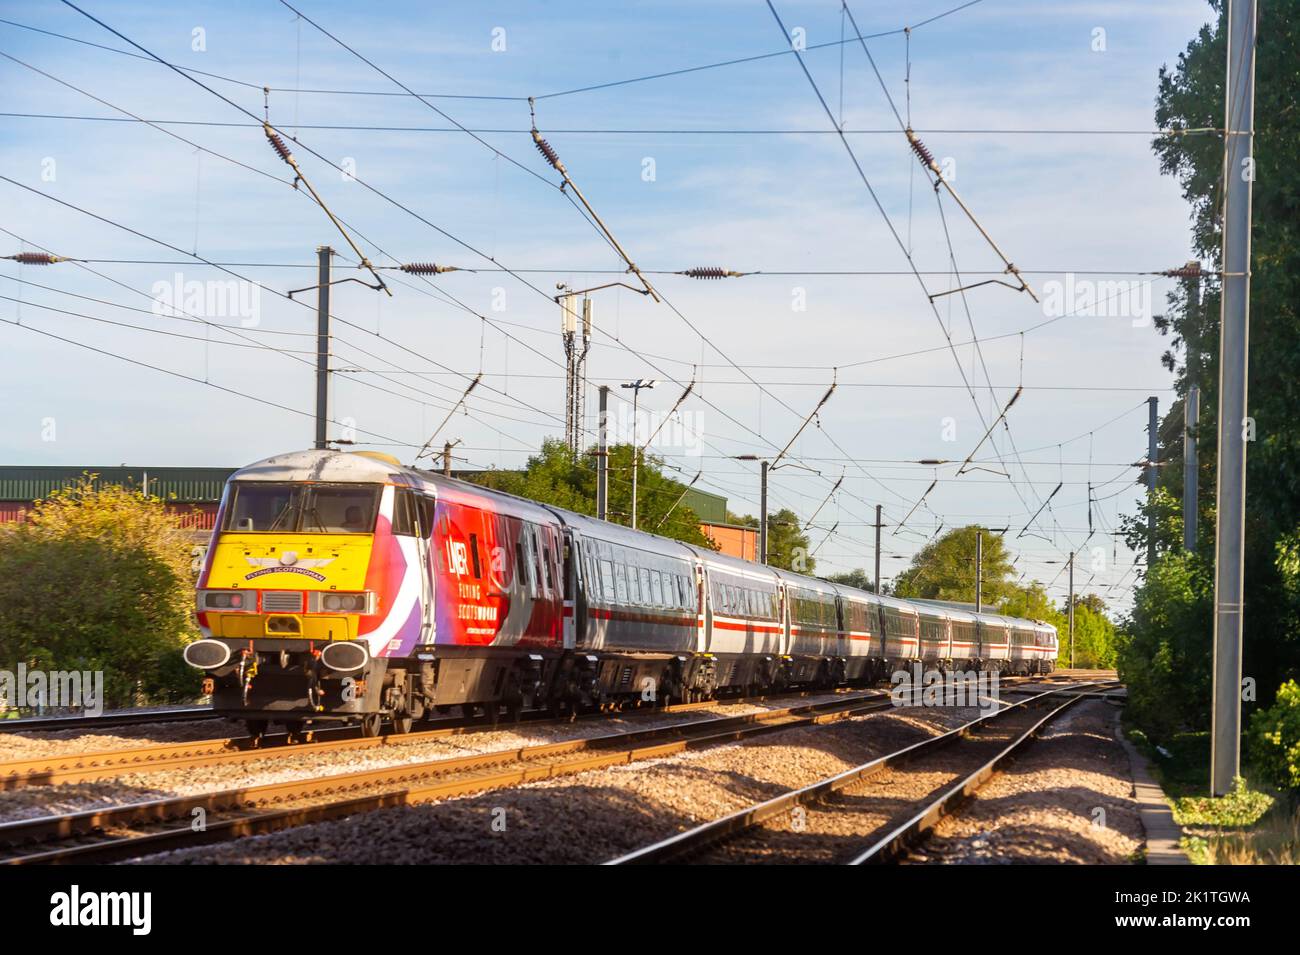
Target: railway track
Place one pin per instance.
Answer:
(184, 714)
(76, 767)
(64, 768)
(132, 830)
(746, 836)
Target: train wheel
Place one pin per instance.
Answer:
(256, 729)
(371, 723)
(402, 723)
(297, 732)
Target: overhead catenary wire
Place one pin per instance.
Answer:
(458, 373)
(648, 131)
(504, 98)
(553, 159)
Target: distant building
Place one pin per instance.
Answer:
(193, 493)
(734, 540)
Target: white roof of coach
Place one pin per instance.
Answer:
(807, 583)
(900, 604)
(742, 568)
(857, 593)
(624, 536)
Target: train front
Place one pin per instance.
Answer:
(302, 592)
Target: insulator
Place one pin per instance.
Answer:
(711, 272)
(36, 258)
(426, 268)
(278, 144)
(1191, 270)
(545, 149)
(922, 153)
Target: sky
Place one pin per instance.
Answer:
(1040, 116)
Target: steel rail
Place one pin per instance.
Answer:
(260, 809)
(693, 841)
(41, 723)
(62, 768)
(919, 827)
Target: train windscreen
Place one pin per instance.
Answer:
(261, 508)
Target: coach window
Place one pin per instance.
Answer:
(607, 578)
(404, 514)
(528, 558)
(473, 556)
(547, 567)
(620, 582)
(541, 557)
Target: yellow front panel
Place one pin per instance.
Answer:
(294, 562)
(290, 561)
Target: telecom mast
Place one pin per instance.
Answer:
(575, 378)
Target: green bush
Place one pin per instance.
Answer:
(99, 579)
(1275, 738)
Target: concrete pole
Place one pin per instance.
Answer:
(979, 570)
(323, 257)
(1191, 477)
(762, 513)
(636, 452)
(446, 459)
(602, 458)
(1153, 458)
(878, 526)
(1234, 345)
(1070, 610)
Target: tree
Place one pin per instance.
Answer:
(944, 569)
(1032, 603)
(854, 578)
(1166, 651)
(100, 580)
(552, 477)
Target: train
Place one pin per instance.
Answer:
(343, 585)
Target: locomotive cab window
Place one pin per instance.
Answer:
(258, 507)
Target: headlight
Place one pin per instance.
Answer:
(329, 601)
(344, 656)
(207, 654)
(232, 601)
